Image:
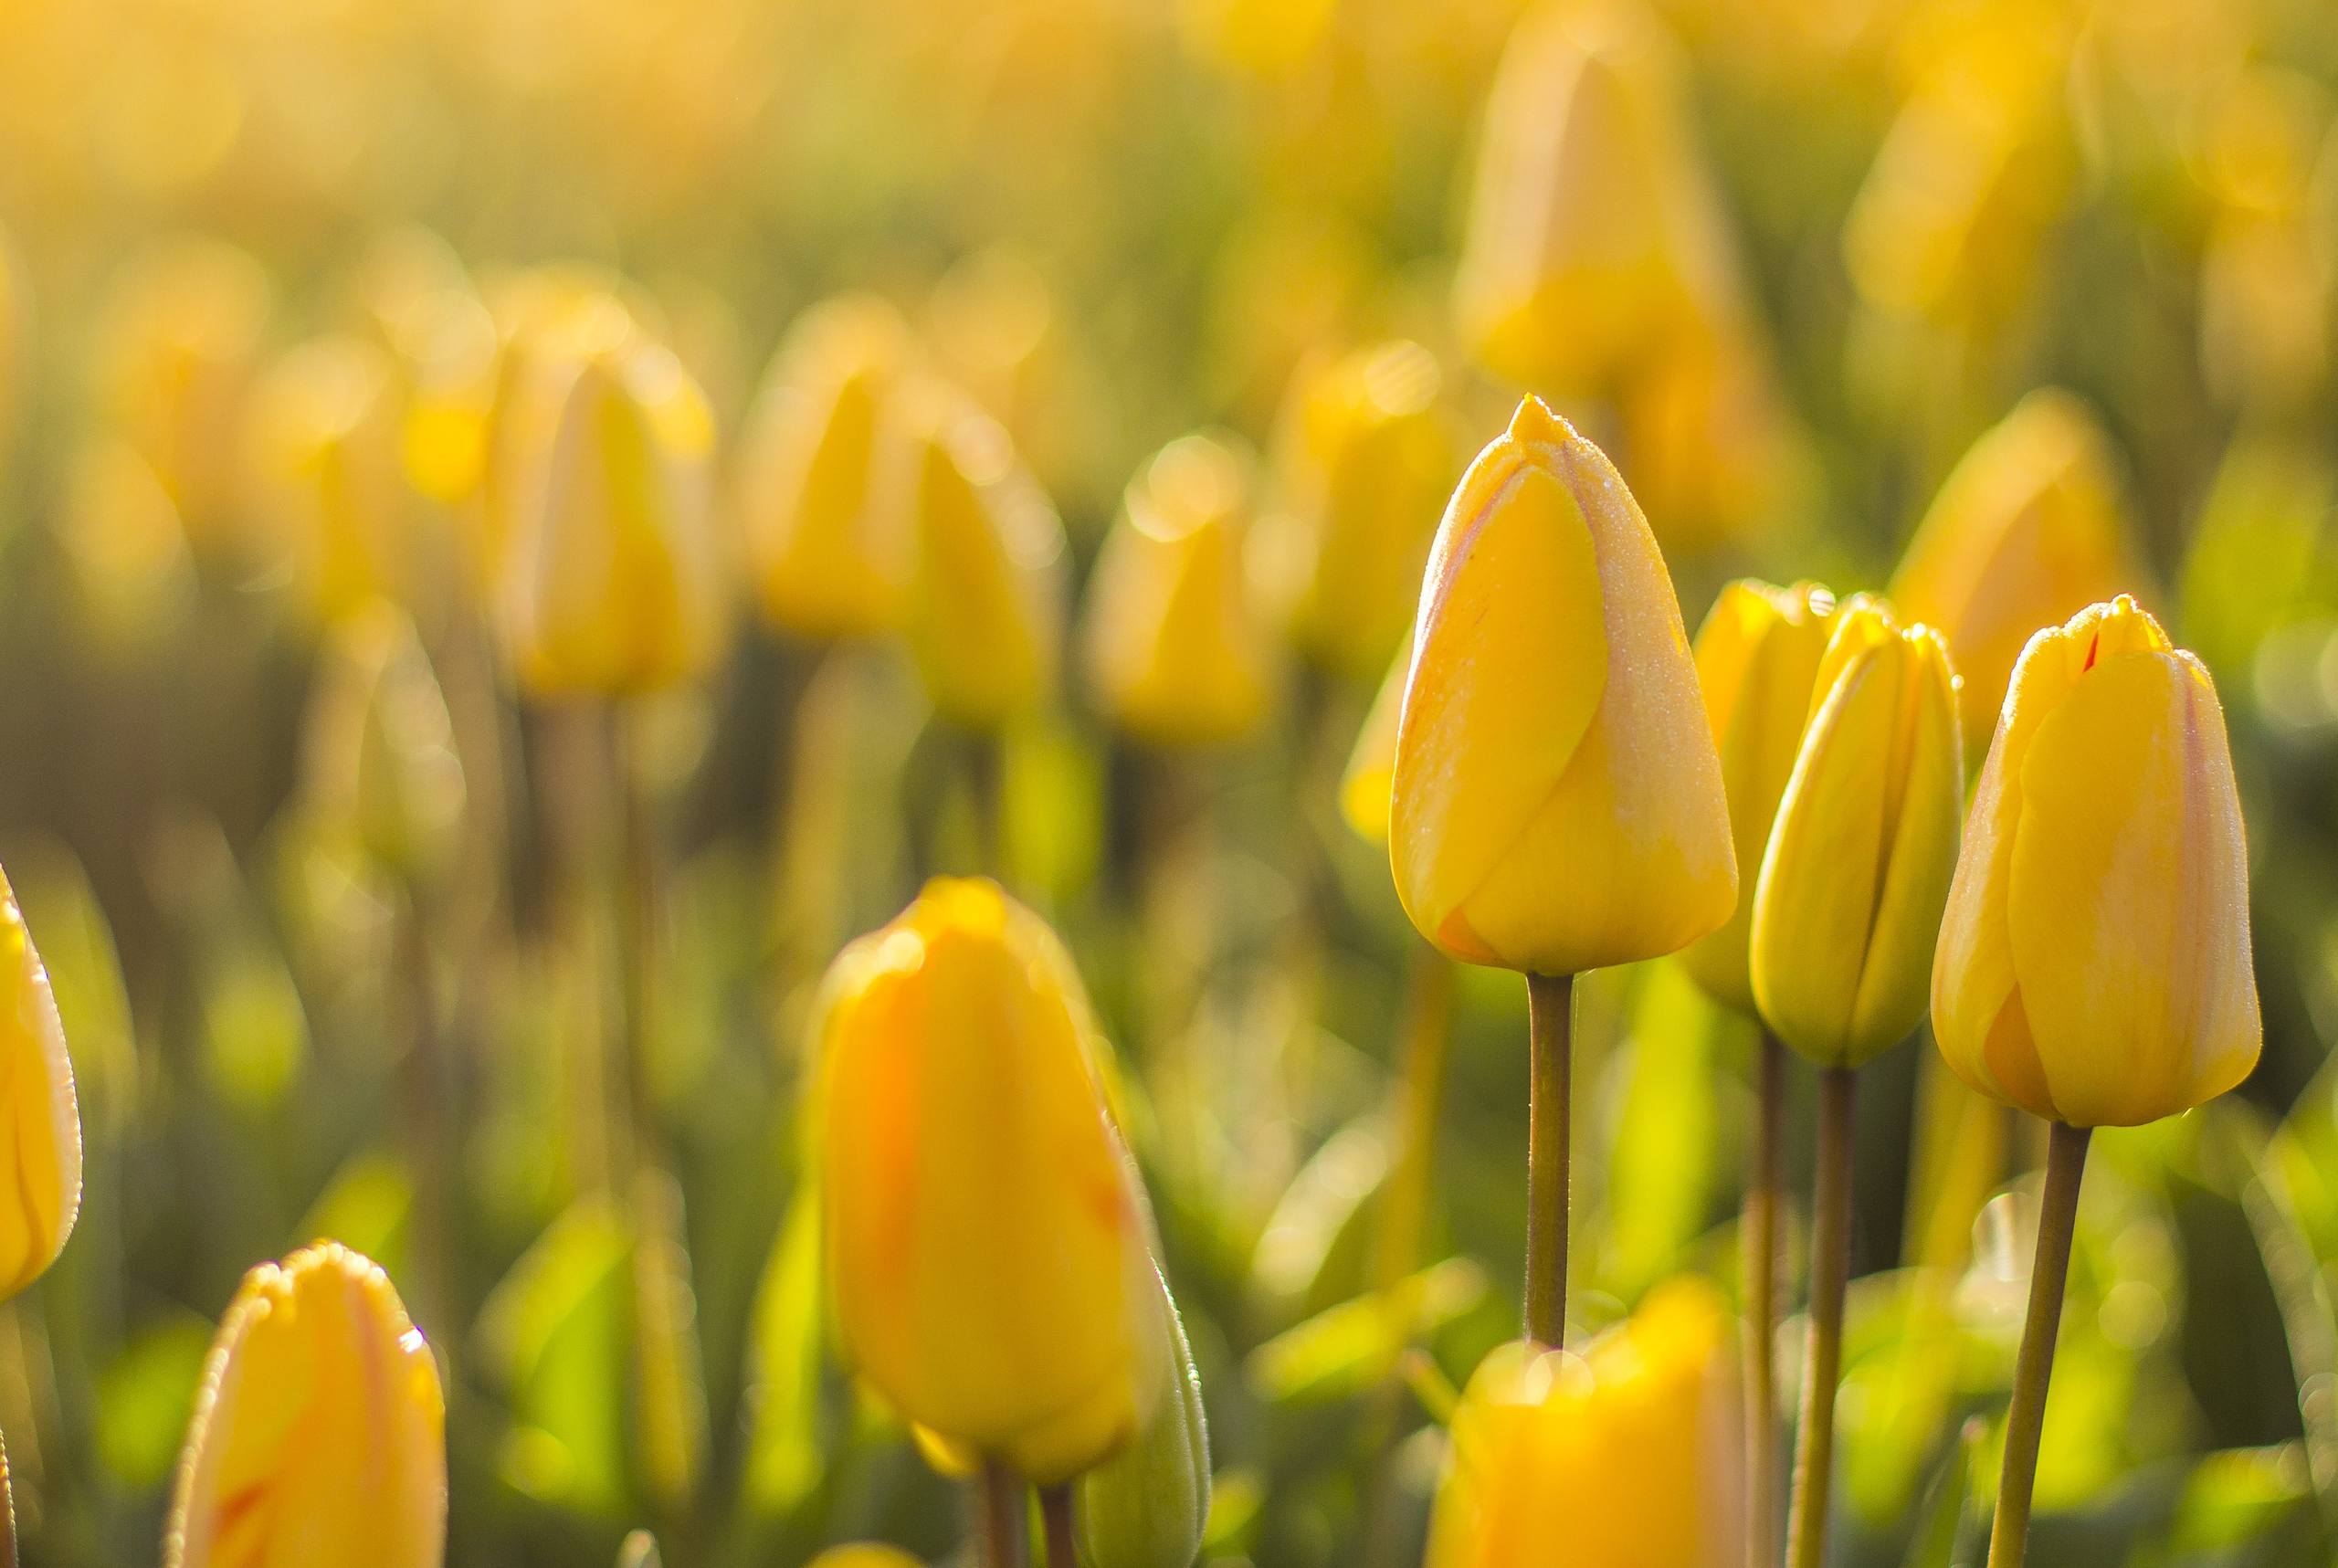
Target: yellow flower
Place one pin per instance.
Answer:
(44, 1123)
(2029, 528)
(1365, 458)
(987, 1240)
(1628, 1455)
(381, 761)
(617, 583)
(2094, 967)
(15, 321)
(1757, 658)
(324, 444)
(1558, 802)
(319, 1432)
(1367, 785)
(865, 1554)
(1171, 645)
(831, 551)
(2266, 273)
(1713, 454)
(986, 595)
(1848, 903)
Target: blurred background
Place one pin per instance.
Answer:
(343, 918)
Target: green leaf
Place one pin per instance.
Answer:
(146, 1398)
(556, 1331)
(1347, 1348)
(785, 1459)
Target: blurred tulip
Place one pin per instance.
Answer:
(988, 591)
(1848, 909)
(15, 322)
(1147, 1505)
(416, 301)
(118, 527)
(1364, 459)
(323, 441)
(1259, 38)
(381, 761)
(1626, 1455)
(45, 1125)
(987, 1240)
(319, 1432)
(2029, 528)
(2095, 966)
(1757, 658)
(618, 582)
(865, 1554)
(1713, 454)
(997, 330)
(176, 350)
(1558, 801)
(1170, 639)
(1365, 788)
(831, 556)
(2268, 268)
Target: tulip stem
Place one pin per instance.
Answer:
(2026, 1416)
(1055, 1513)
(1830, 1262)
(1419, 1103)
(1550, 1009)
(999, 1516)
(1758, 1234)
(8, 1511)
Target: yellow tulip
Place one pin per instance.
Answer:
(1171, 645)
(320, 1431)
(44, 1123)
(1365, 458)
(986, 595)
(1583, 217)
(2094, 967)
(15, 321)
(1629, 1454)
(865, 1554)
(2266, 276)
(830, 547)
(1367, 785)
(2029, 528)
(987, 1240)
(1558, 802)
(381, 761)
(617, 583)
(1712, 452)
(1849, 904)
(1757, 658)
(324, 444)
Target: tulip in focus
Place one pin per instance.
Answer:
(324, 444)
(987, 1240)
(1849, 904)
(1628, 1455)
(2029, 528)
(320, 1431)
(1558, 802)
(45, 1124)
(1364, 459)
(1757, 658)
(2094, 967)
(1171, 640)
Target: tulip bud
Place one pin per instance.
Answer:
(987, 1239)
(2029, 528)
(1365, 787)
(1147, 1506)
(1558, 802)
(1757, 658)
(2265, 273)
(324, 447)
(1364, 460)
(1713, 454)
(1631, 1453)
(319, 1432)
(382, 764)
(831, 558)
(986, 595)
(1173, 648)
(617, 583)
(46, 1124)
(2094, 967)
(1848, 903)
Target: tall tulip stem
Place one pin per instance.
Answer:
(1055, 1514)
(8, 1511)
(2025, 1416)
(1550, 1004)
(1758, 1233)
(999, 1516)
(1830, 1262)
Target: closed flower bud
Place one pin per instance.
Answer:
(1558, 802)
(2094, 965)
(1847, 907)
(324, 447)
(45, 1125)
(319, 1432)
(1147, 1505)
(831, 556)
(987, 596)
(1172, 644)
(381, 766)
(1364, 459)
(1365, 787)
(1630, 1454)
(987, 1239)
(1757, 658)
(2029, 529)
(618, 584)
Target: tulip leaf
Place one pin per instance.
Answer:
(367, 1208)
(785, 1456)
(557, 1330)
(1347, 1348)
(1660, 1160)
(146, 1395)
(2237, 1495)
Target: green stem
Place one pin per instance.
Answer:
(1549, 1004)
(638, 919)
(2026, 1416)
(8, 1511)
(1055, 1513)
(1758, 1233)
(998, 1507)
(1830, 1261)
